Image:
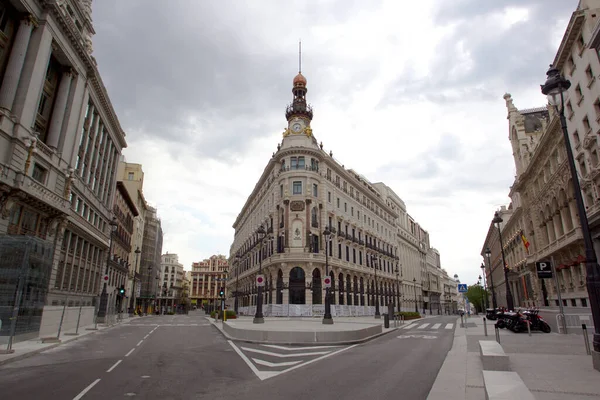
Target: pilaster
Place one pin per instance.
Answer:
(60, 109)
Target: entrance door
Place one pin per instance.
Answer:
(297, 286)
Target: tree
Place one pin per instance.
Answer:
(476, 295)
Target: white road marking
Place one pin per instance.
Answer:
(270, 364)
(130, 351)
(316, 353)
(114, 366)
(274, 346)
(423, 326)
(146, 337)
(436, 326)
(140, 342)
(87, 389)
(410, 326)
(449, 326)
(262, 375)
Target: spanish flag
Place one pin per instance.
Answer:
(525, 242)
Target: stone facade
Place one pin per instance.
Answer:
(170, 282)
(206, 278)
(62, 140)
(303, 190)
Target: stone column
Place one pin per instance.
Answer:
(308, 292)
(286, 291)
(15, 63)
(60, 108)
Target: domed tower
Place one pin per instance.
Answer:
(299, 113)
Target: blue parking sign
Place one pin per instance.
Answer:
(462, 288)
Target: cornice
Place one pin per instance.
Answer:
(573, 29)
(265, 174)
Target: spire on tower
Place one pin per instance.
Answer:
(300, 56)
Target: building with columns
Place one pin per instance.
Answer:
(150, 261)
(543, 208)
(170, 282)
(302, 191)
(206, 278)
(58, 177)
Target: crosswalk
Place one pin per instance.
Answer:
(428, 326)
(269, 360)
(188, 325)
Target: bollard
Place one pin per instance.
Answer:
(529, 327)
(586, 339)
(484, 326)
(462, 324)
(79, 317)
(497, 333)
(62, 318)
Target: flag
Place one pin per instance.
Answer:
(525, 242)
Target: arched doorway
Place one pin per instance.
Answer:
(297, 286)
(317, 292)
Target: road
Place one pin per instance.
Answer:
(184, 357)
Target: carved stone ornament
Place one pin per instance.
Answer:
(297, 205)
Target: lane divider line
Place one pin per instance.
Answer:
(114, 366)
(87, 389)
(140, 342)
(130, 351)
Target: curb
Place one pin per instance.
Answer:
(346, 342)
(63, 341)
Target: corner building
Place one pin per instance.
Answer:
(302, 191)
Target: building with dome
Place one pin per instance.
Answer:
(375, 243)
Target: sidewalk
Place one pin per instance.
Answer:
(552, 366)
(29, 348)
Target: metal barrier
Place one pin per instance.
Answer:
(573, 321)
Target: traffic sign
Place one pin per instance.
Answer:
(544, 269)
(327, 282)
(260, 280)
(105, 278)
(462, 288)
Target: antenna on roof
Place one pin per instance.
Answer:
(299, 56)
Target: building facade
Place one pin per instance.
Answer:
(150, 261)
(207, 277)
(170, 282)
(302, 191)
(58, 177)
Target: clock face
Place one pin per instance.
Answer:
(296, 127)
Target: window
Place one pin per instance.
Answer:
(579, 94)
(338, 202)
(39, 173)
(297, 163)
(7, 30)
(345, 207)
(586, 124)
(315, 190)
(590, 75)
(44, 111)
(297, 187)
(130, 176)
(329, 197)
(352, 211)
(280, 190)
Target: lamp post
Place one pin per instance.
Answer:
(375, 263)
(398, 286)
(104, 295)
(237, 279)
(487, 300)
(132, 301)
(258, 317)
(555, 87)
(327, 318)
(509, 298)
(416, 300)
(488, 256)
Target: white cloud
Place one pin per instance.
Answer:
(401, 94)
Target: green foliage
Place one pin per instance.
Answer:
(230, 314)
(409, 314)
(476, 295)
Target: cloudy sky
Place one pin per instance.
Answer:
(404, 92)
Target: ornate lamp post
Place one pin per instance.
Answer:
(488, 256)
(416, 300)
(258, 317)
(555, 87)
(104, 296)
(132, 301)
(486, 302)
(509, 298)
(327, 319)
(237, 279)
(375, 263)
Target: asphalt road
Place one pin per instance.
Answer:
(184, 357)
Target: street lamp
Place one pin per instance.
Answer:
(104, 295)
(132, 301)
(416, 301)
(488, 256)
(327, 319)
(237, 279)
(487, 301)
(398, 286)
(509, 298)
(375, 263)
(258, 317)
(555, 87)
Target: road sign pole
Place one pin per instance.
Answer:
(558, 296)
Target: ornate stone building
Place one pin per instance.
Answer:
(303, 190)
(63, 140)
(206, 279)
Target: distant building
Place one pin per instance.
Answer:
(151, 260)
(171, 282)
(208, 277)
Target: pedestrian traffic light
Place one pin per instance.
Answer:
(222, 292)
(122, 290)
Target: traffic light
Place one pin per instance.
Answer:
(122, 290)
(222, 292)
